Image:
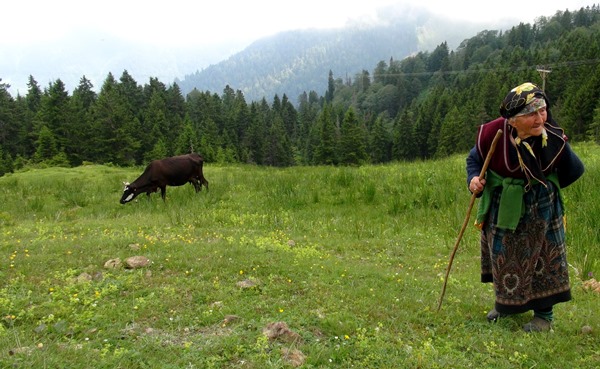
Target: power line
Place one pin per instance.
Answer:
(549, 67)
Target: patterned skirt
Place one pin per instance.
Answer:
(528, 266)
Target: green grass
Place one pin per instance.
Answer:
(351, 259)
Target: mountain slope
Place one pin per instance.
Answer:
(299, 61)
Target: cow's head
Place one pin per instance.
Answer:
(129, 193)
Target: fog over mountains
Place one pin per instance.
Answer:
(299, 61)
(290, 62)
(95, 54)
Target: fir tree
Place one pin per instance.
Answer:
(79, 124)
(187, 141)
(380, 143)
(404, 144)
(352, 143)
(54, 114)
(325, 153)
(278, 150)
(113, 127)
(159, 151)
(46, 145)
(330, 88)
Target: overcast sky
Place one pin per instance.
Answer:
(214, 21)
(211, 23)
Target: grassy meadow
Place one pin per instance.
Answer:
(349, 262)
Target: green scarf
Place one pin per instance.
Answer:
(511, 206)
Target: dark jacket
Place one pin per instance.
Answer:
(558, 158)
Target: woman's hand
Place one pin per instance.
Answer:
(476, 185)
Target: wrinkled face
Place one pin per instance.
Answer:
(128, 193)
(531, 124)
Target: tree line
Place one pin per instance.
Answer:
(424, 106)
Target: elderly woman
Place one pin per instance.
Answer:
(520, 211)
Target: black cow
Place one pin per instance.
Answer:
(173, 171)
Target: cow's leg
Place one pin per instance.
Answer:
(205, 182)
(194, 182)
(151, 190)
(163, 192)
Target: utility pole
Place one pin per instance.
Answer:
(543, 72)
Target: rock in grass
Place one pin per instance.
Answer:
(229, 319)
(586, 329)
(280, 331)
(248, 284)
(136, 262)
(294, 357)
(113, 264)
(592, 285)
(83, 277)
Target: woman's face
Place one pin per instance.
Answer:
(531, 124)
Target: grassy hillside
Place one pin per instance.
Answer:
(348, 261)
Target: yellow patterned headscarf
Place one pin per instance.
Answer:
(519, 98)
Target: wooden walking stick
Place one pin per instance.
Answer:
(468, 216)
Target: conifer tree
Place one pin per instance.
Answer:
(380, 73)
(133, 101)
(449, 133)
(240, 121)
(3, 163)
(578, 108)
(229, 152)
(307, 116)
(278, 149)
(227, 118)
(404, 143)
(439, 102)
(256, 137)
(593, 132)
(47, 147)
(439, 58)
(54, 114)
(8, 130)
(154, 116)
(113, 127)
(175, 103)
(79, 123)
(325, 150)
(27, 133)
(210, 140)
(34, 95)
(6, 162)
(330, 88)
(352, 143)
(187, 141)
(421, 130)
(159, 151)
(289, 115)
(380, 143)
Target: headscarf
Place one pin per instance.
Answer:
(520, 97)
(521, 100)
(536, 104)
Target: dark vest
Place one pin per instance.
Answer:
(505, 161)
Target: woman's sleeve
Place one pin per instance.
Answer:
(474, 165)
(569, 168)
